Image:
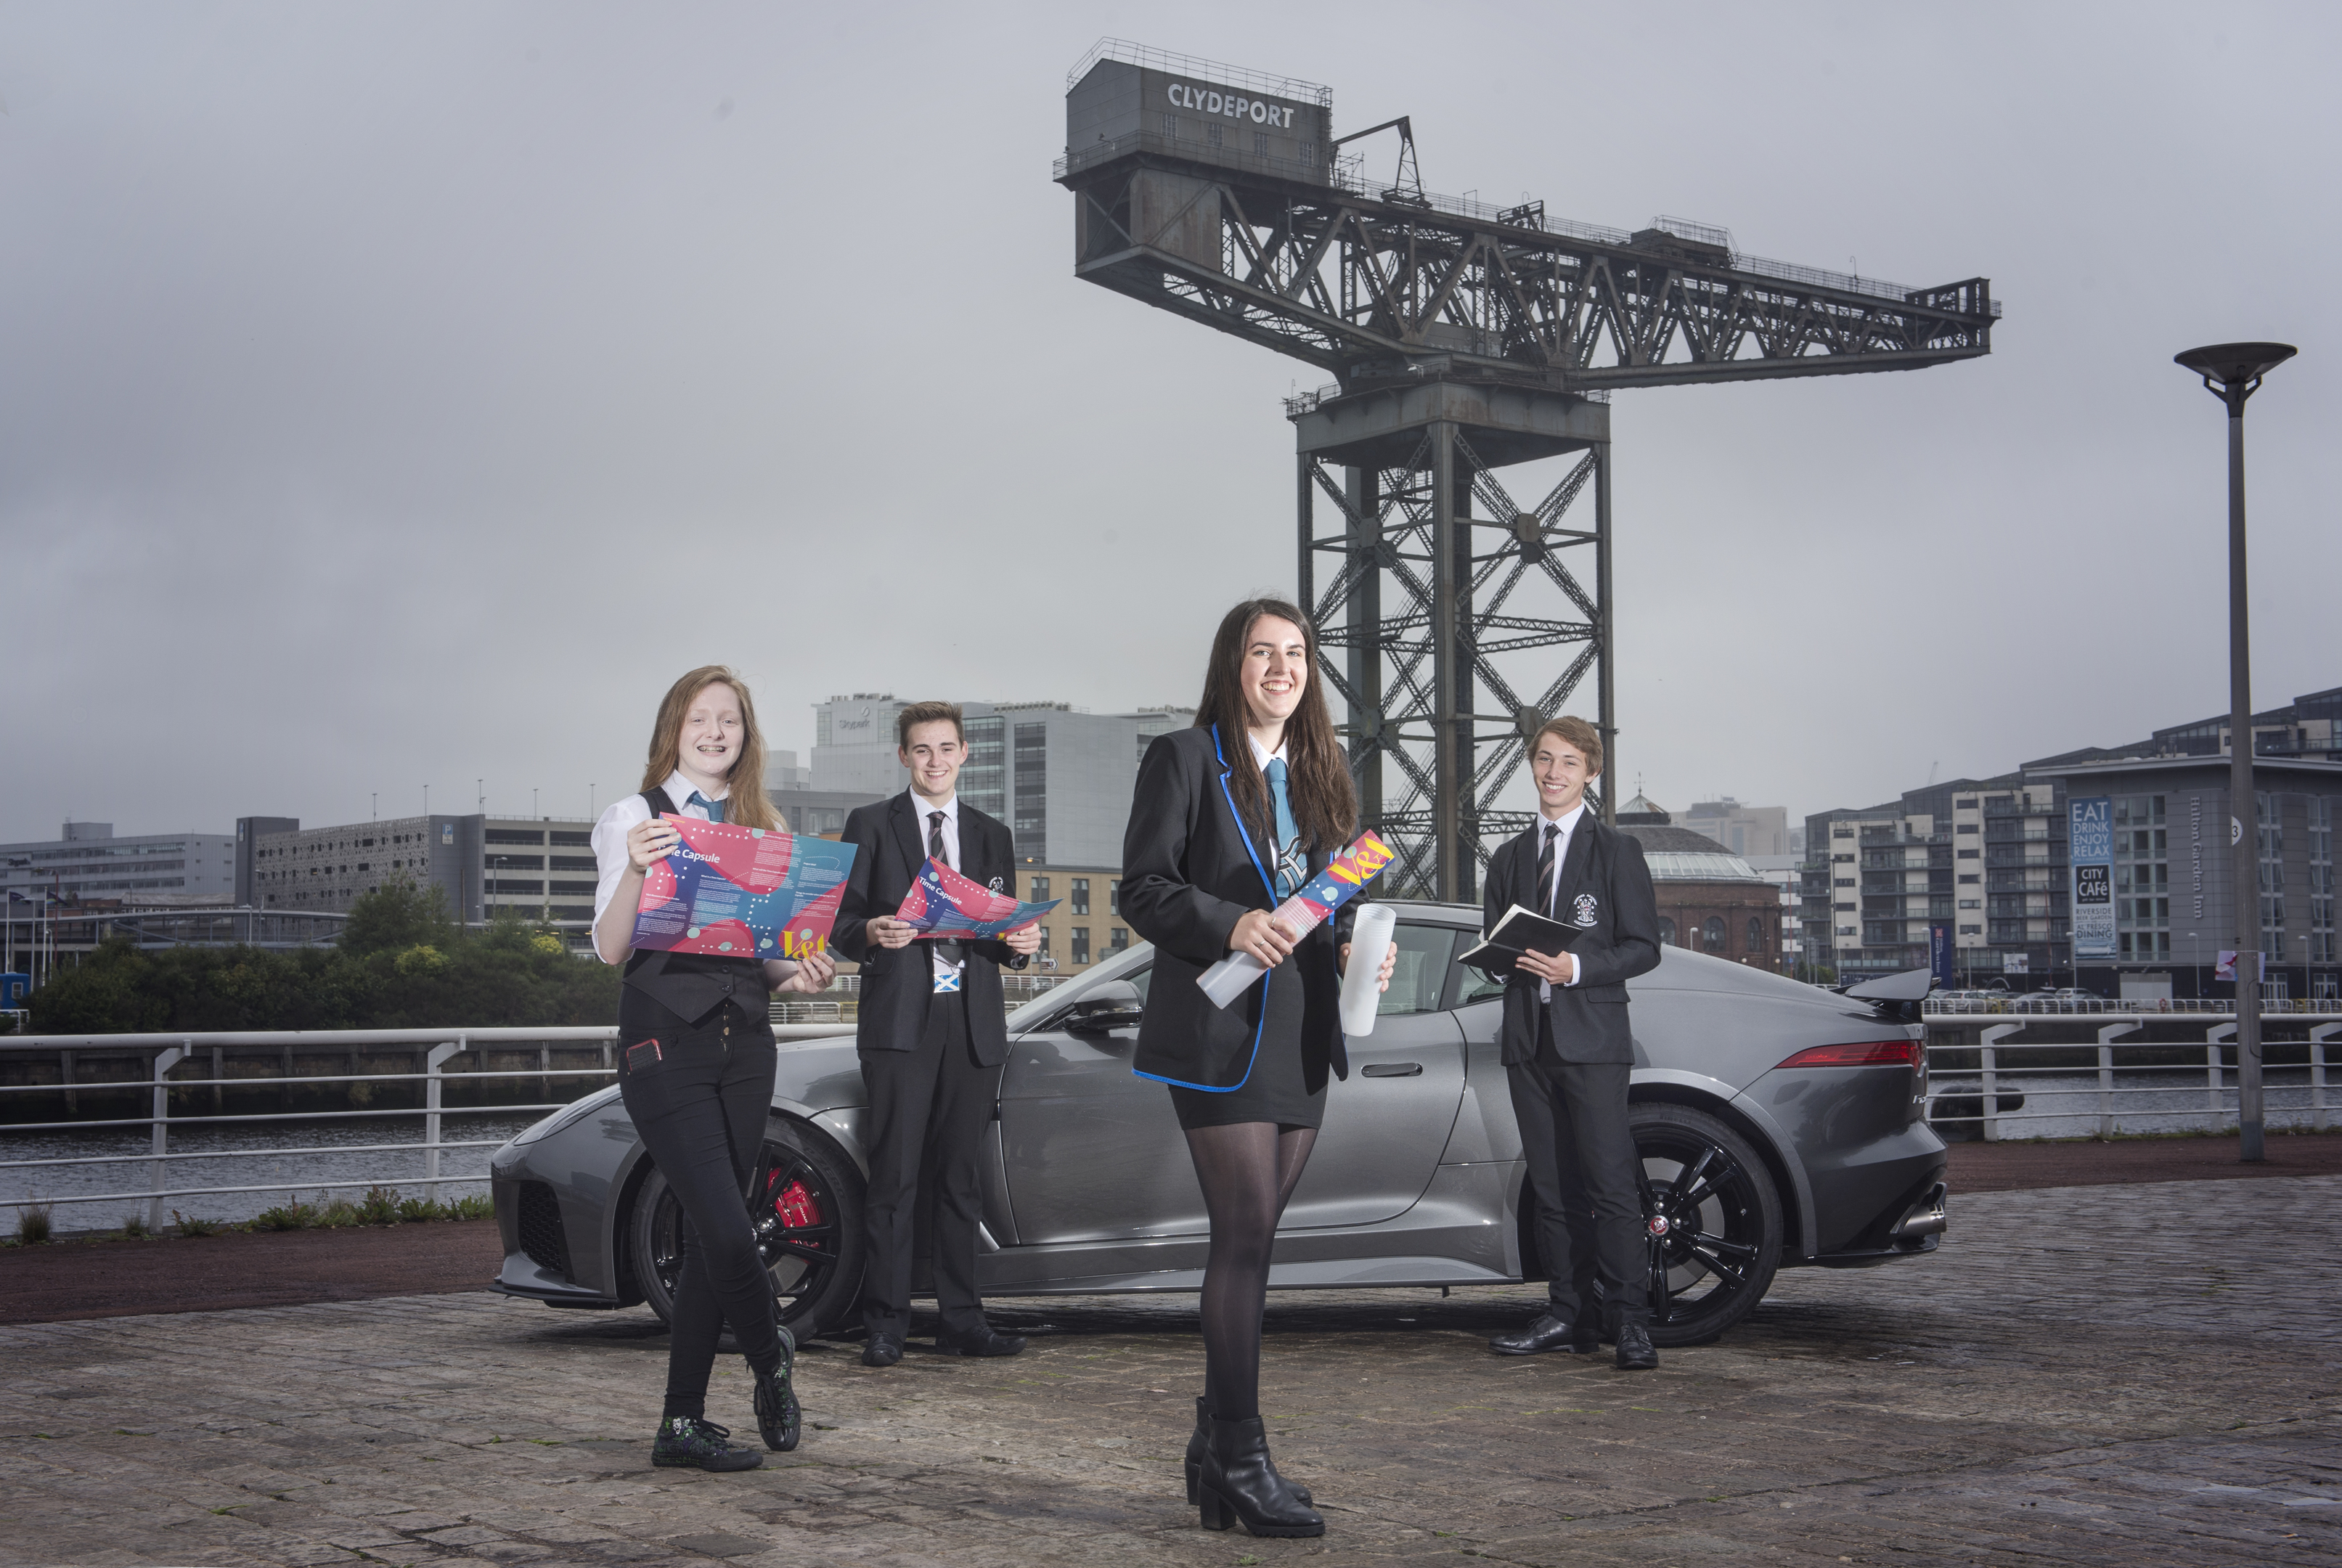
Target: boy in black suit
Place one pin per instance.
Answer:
(1568, 1049)
(932, 1036)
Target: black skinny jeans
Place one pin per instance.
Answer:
(699, 1099)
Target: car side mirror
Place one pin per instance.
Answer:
(1116, 1004)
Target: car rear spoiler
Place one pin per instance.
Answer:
(1897, 996)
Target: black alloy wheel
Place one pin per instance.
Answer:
(807, 1213)
(1711, 1223)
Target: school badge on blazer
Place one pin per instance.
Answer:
(1585, 904)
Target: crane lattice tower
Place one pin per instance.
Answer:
(1463, 339)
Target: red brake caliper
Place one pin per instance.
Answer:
(797, 1205)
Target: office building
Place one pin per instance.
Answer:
(88, 862)
(1059, 777)
(540, 868)
(1747, 831)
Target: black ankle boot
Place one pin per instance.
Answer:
(1239, 1485)
(1200, 1440)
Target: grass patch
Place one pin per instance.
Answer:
(293, 1214)
(379, 1206)
(35, 1221)
(190, 1226)
(478, 1206)
(134, 1227)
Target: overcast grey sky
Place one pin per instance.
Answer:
(404, 395)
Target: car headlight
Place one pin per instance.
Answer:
(564, 1117)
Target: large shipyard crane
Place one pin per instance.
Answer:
(1463, 339)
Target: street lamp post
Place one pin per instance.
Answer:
(2232, 372)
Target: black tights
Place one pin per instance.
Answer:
(1247, 1172)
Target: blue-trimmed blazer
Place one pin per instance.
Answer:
(1189, 871)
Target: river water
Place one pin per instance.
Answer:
(2063, 1104)
(247, 1163)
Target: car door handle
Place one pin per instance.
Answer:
(1394, 1070)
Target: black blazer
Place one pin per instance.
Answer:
(1606, 890)
(897, 983)
(1187, 880)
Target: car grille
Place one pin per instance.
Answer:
(541, 1235)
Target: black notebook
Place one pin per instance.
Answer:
(1520, 931)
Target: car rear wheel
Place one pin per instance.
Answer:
(808, 1219)
(1711, 1220)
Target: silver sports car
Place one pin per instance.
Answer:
(1779, 1125)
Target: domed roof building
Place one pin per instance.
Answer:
(1710, 899)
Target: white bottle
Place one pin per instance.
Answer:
(1371, 938)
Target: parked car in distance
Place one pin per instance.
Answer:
(1780, 1126)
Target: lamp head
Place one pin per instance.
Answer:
(2231, 363)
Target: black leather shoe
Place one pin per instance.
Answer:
(1239, 1485)
(1635, 1351)
(978, 1341)
(1200, 1441)
(883, 1350)
(1550, 1333)
(778, 1417)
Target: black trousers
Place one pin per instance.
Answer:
(1581, 1166)
(930, 1109)
(699, 1099)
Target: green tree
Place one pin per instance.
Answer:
(401, 913)
(401, 963)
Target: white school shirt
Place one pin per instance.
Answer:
(1569, 822)
(621, 818)
(921, 807)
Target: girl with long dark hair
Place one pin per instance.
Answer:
(696, 1062)
(1229, 819)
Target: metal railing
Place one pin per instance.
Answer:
(2210, 1101)
(2128, 1007)
(169, 1051)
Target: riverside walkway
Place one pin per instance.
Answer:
(2116, 1375)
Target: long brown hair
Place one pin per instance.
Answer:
(746, 802)
(1324, 802)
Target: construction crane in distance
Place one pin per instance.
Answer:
(1463, 338)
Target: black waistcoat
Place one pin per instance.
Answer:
(691, 985)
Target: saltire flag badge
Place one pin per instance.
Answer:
(943, 902)
(742, 891)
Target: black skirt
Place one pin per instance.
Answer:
(1279, 1088)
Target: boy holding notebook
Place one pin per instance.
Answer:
(1569, 1049)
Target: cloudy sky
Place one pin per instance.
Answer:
(395, 395)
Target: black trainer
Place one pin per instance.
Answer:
(778, 1417)
(693, 1443)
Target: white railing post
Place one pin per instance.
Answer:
(2213, 1063)
(2106, 1074)
(2317, 1039)
(1990, 1104)
(164, 1062)
(432, 1063)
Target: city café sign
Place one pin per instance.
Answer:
(1210, 101)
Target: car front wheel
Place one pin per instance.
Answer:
(807, 1213)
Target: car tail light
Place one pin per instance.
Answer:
(1865, 1054)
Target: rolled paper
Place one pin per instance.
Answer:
(1362, 993)
(1302, 913)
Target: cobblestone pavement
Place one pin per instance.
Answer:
(2146, 1375)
